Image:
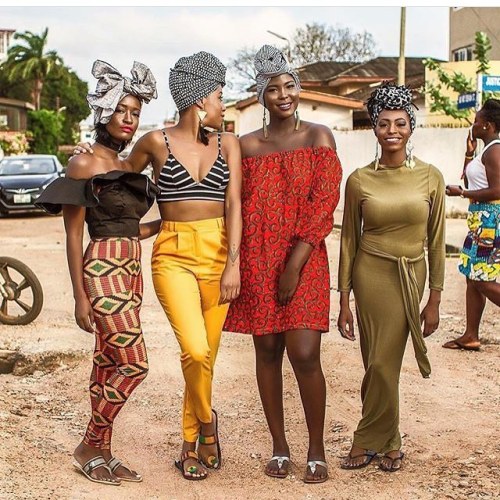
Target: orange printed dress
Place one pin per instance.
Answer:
(287, 196)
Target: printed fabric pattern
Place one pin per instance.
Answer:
(287, 196)
(480, 256)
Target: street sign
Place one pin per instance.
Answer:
(491, 83)
(467, 100)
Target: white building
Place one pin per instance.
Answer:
(5, 38)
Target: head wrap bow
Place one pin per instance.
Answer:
(194, 77)
(112, 87)
(391, 96)
(270, 62)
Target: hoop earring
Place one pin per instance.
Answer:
(409, 162)
(375, 167)
(297, 120)
(264, 125)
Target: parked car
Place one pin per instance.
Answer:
(23, 179)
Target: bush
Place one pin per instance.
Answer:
(46, 127)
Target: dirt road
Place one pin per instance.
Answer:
(450, 422)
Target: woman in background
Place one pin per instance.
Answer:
(480, 257)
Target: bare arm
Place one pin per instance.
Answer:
(491, 161)
(230, 281)
(74, 218)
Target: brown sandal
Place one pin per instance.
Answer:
(192, 469)
(391, 467)
(212, 462)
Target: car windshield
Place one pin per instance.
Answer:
(27, 166)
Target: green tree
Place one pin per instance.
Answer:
(45, 127)
(457, 81)
(29, 61)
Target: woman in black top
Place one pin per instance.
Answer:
(107, 278)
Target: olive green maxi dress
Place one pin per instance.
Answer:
(389, 213)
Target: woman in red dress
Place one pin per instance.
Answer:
(291, 181)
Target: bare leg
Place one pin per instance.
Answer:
(490, 289)
(475, 302)
(303, 349)
(269, 351)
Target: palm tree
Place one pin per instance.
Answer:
(31, 62)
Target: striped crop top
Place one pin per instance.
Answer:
(176, 183)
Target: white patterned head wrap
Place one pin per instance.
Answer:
(270, 62)
(112, 87)
(194, 77)
(391, 96)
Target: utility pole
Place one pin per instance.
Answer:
(281, 37)
(402, 34)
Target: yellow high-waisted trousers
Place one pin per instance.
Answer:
(187, 263)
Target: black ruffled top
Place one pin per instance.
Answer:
(115, 202)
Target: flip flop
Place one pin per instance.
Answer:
(455, 344)
(191, 469)
(114, 463)
(280, 460)
(311, 464)
(91, 466)
(211, 461)
(369, 456)
(390, 467)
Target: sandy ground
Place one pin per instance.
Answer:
(449, 422)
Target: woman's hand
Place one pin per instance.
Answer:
(84, 315)
(230, 284)
(471, 144)
(430, 318)
(345, 323)
(453, 190)
(83, 147)
(289, 279)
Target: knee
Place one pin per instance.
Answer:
(269, 356)
(136, 371)
(199, 355)
(304, 361)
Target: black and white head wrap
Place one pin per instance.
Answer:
(112, 87)
(270, 62)
(391, 96)
(195, 77)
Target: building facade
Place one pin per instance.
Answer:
(464, 22)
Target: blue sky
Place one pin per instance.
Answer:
(158, 36)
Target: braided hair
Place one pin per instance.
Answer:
(491, 112)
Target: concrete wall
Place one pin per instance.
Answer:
(443, 147)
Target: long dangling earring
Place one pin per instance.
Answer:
(376, 156)
(297, 120)
(409, 162)
(201, 131)
(264, 125)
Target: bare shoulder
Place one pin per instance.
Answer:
(320, 135)
(250, 143)
(80, 167)
(152, 137)
(229, 140)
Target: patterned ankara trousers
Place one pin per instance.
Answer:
(113, 283)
